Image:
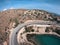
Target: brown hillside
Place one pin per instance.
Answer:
(20, 16)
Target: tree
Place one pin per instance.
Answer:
(16, 21)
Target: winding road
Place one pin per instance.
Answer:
(13, 37)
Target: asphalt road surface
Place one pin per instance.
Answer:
(13, 37)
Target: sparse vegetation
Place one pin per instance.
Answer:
(57, 30)
(16, 22)
(18, 16)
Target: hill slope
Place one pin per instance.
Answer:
(8, 17)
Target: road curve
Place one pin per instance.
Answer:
(13, 38)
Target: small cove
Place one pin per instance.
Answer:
(47, 39)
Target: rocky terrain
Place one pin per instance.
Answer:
(17, 16)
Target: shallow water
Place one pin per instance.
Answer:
(47, 40)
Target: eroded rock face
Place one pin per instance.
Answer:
(5, 43)
(27, 34)
(18, 16)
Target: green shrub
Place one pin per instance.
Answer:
(16, 21)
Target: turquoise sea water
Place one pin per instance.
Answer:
(47, 40)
